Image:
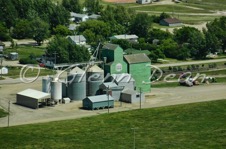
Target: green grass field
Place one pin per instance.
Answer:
(25, 51)
(198, 125)
(2, 112)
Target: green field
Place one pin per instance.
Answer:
(25, 51)
(199, 125)
(2, 112)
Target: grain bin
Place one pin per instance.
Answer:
(76, 84)
(46, 84)
(95, 76)
(56, 90)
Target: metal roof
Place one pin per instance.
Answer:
(76, 70)
(110, 84)
(34, 94)
(94, 16)
(95, 68)
(137, 58)
(124, 77)
(125, 36)
(77, 38)
(100, 98)
(110, 46)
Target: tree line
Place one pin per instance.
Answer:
(39, 19)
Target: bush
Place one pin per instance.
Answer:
(27, 61)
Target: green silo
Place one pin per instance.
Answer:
(139, 68)
(114, 59)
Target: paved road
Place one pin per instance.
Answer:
(191, 63)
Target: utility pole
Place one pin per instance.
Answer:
(8, 112)
(55, 56)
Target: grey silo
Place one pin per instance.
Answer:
(56, 90)
(76, 84)
(94, 77)
(46, 86)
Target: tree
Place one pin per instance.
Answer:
(158, 34)
(93, 6)
(140, 25)
(67, 51)
(39, 30)
(61, 30)
(169, 48)
(8, 13)
(194, 39)
(72, 5)
(4, 33)
(22, 29)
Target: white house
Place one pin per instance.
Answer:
(77, 17)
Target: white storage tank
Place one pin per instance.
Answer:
(95, 77)
(56, 90)
(46, 87)
(76, 84)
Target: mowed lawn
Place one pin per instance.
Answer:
(199, 125)
(2, 112)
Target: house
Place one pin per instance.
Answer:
(77, 39)
(77, 17)
(144, 1)
(170, 22)
(97, 102)
(94, 16)
(2, 45)
(113, 89)
(131, 96)
(139, 68)
(72, 27)
(112, 54)
(132, 38)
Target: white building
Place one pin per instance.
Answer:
(77, 17)
(78, 39)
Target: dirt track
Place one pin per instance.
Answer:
(157, 98)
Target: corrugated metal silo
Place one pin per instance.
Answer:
(56, 90)
(95, 76)
(76, 84)
(46, 87)
(64, 89)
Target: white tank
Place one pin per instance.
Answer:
(56, 90)
(46, 87)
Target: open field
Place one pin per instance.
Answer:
(199, 125)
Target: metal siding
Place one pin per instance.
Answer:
(46, 84)
(93, 84)
(56, 90)
(27, 101)
(77, 90)
(140, 72)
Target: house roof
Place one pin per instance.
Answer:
(110, 46)
(94, 16)
(34, 94)
(77, 38)
(125, 36)
(172, 20)
(100, 98)
(137, 58)
(72, 26)
(78, 15)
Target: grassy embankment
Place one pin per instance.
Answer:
(198, 125)
(2, 112)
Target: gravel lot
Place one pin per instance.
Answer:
(158, 97)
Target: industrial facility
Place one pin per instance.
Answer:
(117, 77)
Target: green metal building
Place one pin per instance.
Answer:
(98, 102)
(138, 67)
(114, 59)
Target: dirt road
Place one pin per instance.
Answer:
(158, 97)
